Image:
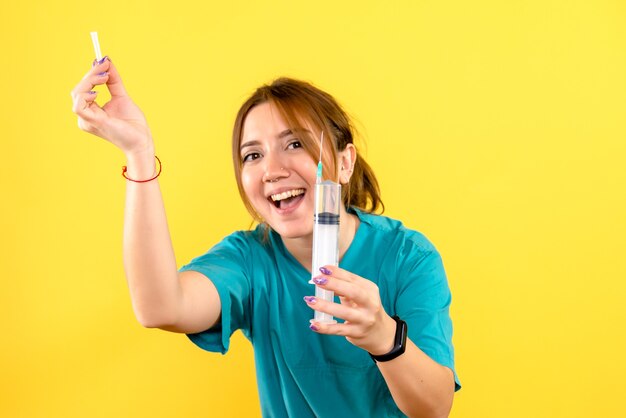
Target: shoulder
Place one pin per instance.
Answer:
(395, 232)
(239, 246)
(254, 239)
(402, 261)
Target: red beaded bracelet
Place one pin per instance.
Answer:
(124, 169)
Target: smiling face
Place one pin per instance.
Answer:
(277, 172)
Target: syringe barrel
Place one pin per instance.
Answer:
(325, 237)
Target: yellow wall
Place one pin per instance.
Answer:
(496, 127)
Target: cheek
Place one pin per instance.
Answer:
(251, 186)
(246, 183)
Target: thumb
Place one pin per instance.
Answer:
(114, 83)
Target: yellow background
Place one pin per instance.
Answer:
(497, 128)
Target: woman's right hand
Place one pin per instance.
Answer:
(119, 121)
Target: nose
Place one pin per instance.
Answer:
(274, 169)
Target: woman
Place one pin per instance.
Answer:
(390, 281)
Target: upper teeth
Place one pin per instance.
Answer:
(285, 195)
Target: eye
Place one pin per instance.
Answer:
(250, 157)
(294, 144)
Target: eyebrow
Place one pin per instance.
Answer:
(254, 142)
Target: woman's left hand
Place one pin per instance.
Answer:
(366, 325)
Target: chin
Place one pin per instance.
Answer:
(293, 231)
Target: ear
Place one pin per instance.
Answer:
(347, 159)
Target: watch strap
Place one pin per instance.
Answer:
(399, 342)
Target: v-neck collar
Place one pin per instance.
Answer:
(349, 258)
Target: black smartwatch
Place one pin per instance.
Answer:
(399, 343)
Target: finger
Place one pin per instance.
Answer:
(85, 106)
(114, 82)
(96, 76)
(341, 274)
(99, 78)
(357, 293)
(82, 101)
(345, 329)
(337, 310)
(347, 301)
(88, 98)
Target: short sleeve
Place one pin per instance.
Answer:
(424, 303)
(226, 266)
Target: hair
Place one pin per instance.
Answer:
(304, 106)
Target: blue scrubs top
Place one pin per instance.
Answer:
(305, 374)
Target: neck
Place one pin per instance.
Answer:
(302, 247)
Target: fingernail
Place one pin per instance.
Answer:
(320, 280)
(310, 299)
(95, 61)
(102, 74)
(106, 57)
(313, 327)
(92, 92)
(325, 271)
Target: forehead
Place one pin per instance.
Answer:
(263, 121)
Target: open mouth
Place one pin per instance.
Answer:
(287, 199)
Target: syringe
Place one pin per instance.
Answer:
(325, 233)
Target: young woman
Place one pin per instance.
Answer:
(390, 283)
